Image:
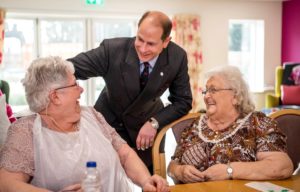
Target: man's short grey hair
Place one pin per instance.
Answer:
(42, 76)
(233, 79)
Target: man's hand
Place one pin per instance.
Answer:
(146, 136)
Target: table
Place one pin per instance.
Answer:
(232, 185)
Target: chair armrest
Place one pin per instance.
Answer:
(158, 158)
(271, 100)
(278, 80)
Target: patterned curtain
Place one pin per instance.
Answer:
(2, 16)
(186, 33)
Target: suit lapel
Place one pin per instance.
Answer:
(131, 73)
(155, 81)
(158, 74)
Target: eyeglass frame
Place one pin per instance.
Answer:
(68, 86)
(214, 90)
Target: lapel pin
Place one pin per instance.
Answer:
(161, 74)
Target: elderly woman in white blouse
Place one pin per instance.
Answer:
(49, 150)
(230, 141)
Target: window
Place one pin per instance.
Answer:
(246, 50)
(62, 37)
(65, 38)
(19, 50)
(26, 39)
(109, 28)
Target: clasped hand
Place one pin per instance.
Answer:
(145, 138)
(189, 174)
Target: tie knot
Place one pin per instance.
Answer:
(146, 64)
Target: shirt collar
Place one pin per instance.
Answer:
(151, 62)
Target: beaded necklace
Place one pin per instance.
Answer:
(215, 141)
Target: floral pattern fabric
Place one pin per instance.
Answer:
(259, 133)
(186, 33)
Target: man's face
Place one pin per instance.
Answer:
(148, 43)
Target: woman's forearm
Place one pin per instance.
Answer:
(133, 165)
(11, 182)
(270, 166)
(12, 186)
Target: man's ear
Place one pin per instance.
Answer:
(54, 98)
(166, 41)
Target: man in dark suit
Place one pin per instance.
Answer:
(131, 103)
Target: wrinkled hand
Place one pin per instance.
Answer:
(189, 174)
(73, 188)
(216, 172)
(146, 136)
(156, 183)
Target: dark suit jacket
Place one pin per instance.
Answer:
(121, 102)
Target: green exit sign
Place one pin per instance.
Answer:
(94, 2)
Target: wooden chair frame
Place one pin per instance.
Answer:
(276, 114)
(291, 150)
(158, 158)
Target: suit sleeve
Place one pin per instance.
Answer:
(93, 63)
(180, 96)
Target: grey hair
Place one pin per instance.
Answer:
(234, 79)
(42, 76)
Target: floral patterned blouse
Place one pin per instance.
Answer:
(258, 133)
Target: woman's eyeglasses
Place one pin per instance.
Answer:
(213, 90)
(73, 85)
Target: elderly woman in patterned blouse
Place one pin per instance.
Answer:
(231, 141)
(47, 151)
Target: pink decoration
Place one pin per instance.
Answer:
(198, 57)
(196, 24)
(190, 37)
(296, 75)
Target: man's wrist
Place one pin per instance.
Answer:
(154, 123)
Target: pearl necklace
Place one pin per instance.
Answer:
(215, 141)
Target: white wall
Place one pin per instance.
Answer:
(214, 21)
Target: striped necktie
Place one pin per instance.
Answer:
(144, 76)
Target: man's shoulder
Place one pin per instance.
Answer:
(117, 44)
(119, 40)
(175, 47)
